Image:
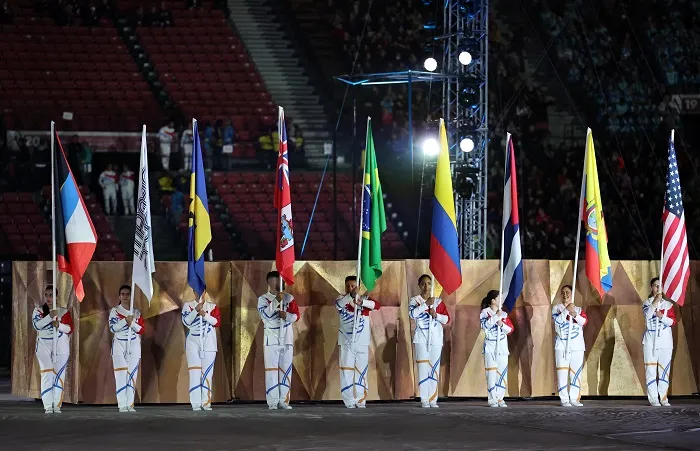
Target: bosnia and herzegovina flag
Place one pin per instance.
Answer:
(444, 245)
(511, 254)
(598, 266)
(199, 225)
(373, 217)
(75, 235)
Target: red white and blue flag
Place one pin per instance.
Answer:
(512, 254)
(674, 250)
(75, 235)
(284, 254)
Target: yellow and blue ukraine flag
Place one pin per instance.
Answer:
(199, 225)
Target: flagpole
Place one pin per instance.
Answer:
(54, 266)
(578, 238)
(359, 244)
(503, 243)
(279, 338)
(430, 319)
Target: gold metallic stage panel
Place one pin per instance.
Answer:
(614, 364)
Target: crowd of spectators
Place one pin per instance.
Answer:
(155, 16)
(87, 13)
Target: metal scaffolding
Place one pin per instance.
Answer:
(465, 108)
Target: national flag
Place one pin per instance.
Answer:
(199, 225)
(284, 250)
(75, 236)
(598, 265)
(444, 244)
(674, 248)
(144, 264)
(373, 222)
(511, 254)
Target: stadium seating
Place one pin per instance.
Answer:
(86, 71)
(25, 230)
(207, 72)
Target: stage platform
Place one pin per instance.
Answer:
(531, 425)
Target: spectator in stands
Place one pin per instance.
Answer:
(166, 135)
(229, 135)
(177, 206)
(208, 145)
(297, 150)
(86, 162)
(165, 183)
(217, 141)
(108, 183)
(139, 17)
(165, 16)
(6, 16)
(186, 143)
(75, 151)
(266, 148)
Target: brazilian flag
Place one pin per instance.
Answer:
(373, 217)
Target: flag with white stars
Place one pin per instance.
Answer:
(675, 262)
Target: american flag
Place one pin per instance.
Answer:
(674, 249)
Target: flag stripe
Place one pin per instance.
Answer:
(199, 222)
(512, 253)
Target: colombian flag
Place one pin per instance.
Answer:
(200, 227)
(598, 266)
(444, 245)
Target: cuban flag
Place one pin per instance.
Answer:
(284, 252)
(75, 236)
(511, 254)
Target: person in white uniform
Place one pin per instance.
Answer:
(127, 327)
(108, 183)
(659, 316)
(126, 186)
(53, 370)
(186, 143)
(278, 311)
(496, 326)
(569, 347)
(431, 315)
(354, 357)
(166, 136)
(201, 318)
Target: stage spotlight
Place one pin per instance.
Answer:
(465, 178)
(430, 64)
(430, 147)
(466, 144)
(465, 58)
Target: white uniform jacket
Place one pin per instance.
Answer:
(44, 327)
(118, 326)
(495, 337)
(346, 308)
(269, 310)
(193, 323)
(418, 311)
(664, 336)
(561, 327)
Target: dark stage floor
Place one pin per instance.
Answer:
(534, 425)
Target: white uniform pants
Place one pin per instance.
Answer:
(201, 371)
(128, 200)
(570, 364)
(278, 373)
(428, 363)
(187, 156)
(496, 367)
(110, 195)
(165, 155)
(53, 376)
(125, 375)
(658, 372)
(353, 374)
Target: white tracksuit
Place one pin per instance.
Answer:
(354, 360)
(166, 135)
(658, 351)
(278, 347)
(126, 185)
(495, 351)
(53, 373)
(108, 182)
(201, 353)
(571, 362)
(186, 143)
(428, 359)
(126, 365)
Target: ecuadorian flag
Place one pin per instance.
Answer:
(199, 225)
(598, 266)
(444, 246)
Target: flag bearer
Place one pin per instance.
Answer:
(569, 348)
(125, 358)
(430, 315)
(354, 357)
(278, 345)
(201, 317)
(53, 371)
(658, 344)
(496, 326)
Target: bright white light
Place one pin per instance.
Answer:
(430, 64)
(465, 58)
(466, 144)
(431, 147)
